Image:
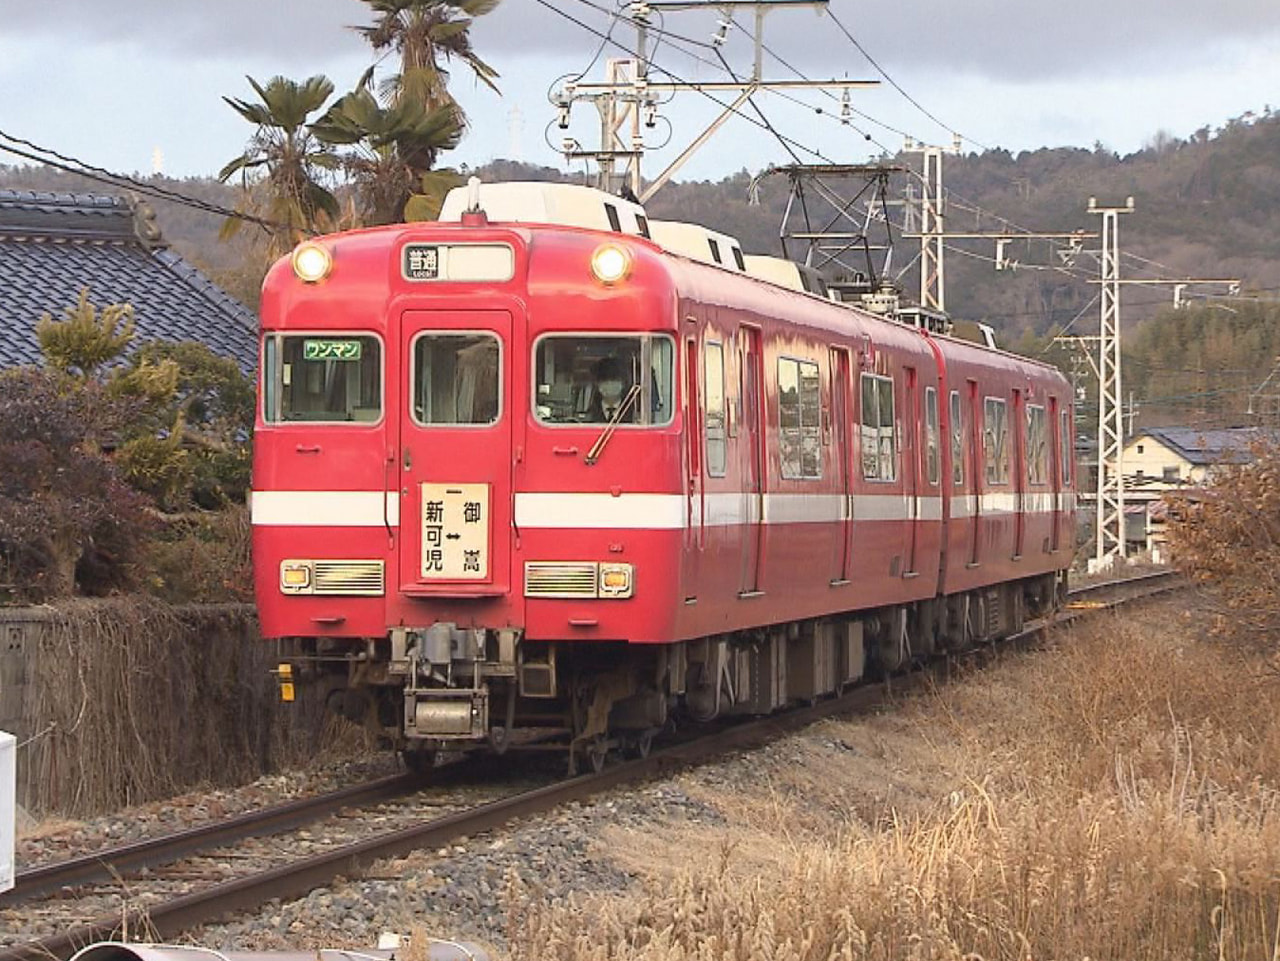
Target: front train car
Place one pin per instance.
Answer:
(463, 433)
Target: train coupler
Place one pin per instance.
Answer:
(458, 714)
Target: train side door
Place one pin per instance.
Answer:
(751, 445)
(1058, 423)
(976, 466)
(695, 489)
(1018, 427)
(841, 427)
(454, 462)
(911, 472)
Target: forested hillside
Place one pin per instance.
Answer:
(1207, 206)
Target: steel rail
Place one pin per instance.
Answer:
(103, 867)
(297, 878)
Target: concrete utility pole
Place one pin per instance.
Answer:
(627, 104)
(1109, 504)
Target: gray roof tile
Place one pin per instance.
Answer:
(52, 245)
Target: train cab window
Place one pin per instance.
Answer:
(322, 378)
(931, 434)
(995, 440)
(800, 417)
(456, 378)
(1064, 447)
(1037, 446)
(714, 420)
(600, 378)
(879, 443)
(957, 441)
(715, 250)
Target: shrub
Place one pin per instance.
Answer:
(66, 515)
(1229, 536)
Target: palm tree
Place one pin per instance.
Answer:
(290, 195)
(423, 33)
(395, 149)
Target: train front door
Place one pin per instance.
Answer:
(453, 462)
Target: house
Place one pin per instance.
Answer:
(1161, 459)
(54, 244)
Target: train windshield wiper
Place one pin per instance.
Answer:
(598, 447)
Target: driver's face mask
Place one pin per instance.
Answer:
(611, 390)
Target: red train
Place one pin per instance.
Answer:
(534, 470)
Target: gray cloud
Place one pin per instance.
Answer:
(1032, 39)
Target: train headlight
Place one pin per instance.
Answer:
(312, 262)
(616, 580)
(295, 577)
(611, 263)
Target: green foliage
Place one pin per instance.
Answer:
(176, 419)
(85, 341)
(291, 194)
(1205, 365)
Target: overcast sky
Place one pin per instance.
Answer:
(115, 83)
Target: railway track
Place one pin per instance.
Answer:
(171, 913)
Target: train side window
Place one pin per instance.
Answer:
(457, 378)
(1037, 446)
(995, 440)
(714, 422)
(879, 443)
(800, 418)
(322, 378)
(931, 434)
(715, 250)
(957, 441)
(1064, 440)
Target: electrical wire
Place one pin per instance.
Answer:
(896, 86)
(678, 79)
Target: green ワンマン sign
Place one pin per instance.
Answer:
(331, 349)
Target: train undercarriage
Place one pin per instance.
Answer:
(445, 688)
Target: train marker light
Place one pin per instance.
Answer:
(615, 580)
(610, 263)
(312, 262)
(295, 577)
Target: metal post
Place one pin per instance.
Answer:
(8, 808)
(1109, 503)
(933, 292)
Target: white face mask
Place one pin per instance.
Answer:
(611, 390)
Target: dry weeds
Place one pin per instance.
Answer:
(1115, 796)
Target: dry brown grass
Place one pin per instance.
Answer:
(1115, 796)
(134, 700)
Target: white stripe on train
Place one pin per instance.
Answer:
(639, 511)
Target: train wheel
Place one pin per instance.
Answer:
(418, 761)
(643, 744)
(597, 752)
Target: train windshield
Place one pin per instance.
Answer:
(321, 377)
(584, 379)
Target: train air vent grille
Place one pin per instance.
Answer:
(355, 578)
(561, 579)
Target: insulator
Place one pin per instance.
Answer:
(722, 33)
(650, 114)
(563, 122)
(845, 110)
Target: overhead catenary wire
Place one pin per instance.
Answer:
(693, 85)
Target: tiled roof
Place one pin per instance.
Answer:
(52, 245)
(1223, 446)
